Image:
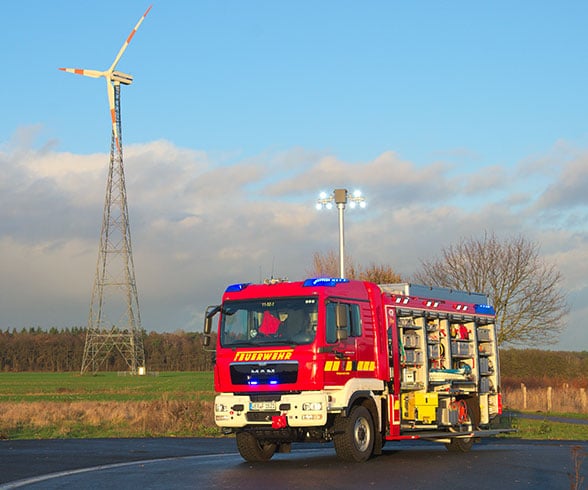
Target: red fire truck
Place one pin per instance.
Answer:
(355, 363)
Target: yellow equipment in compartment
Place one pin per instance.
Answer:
(420, 407)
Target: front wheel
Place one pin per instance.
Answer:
(354, 435)
(253, 450)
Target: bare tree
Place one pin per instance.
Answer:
(327, 265)
(380, 274)
(524, 289)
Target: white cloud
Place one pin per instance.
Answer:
(569, 190)
(201, 221)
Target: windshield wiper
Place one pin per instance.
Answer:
(278, 342)
(266, 343)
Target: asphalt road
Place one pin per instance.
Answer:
(215, 463)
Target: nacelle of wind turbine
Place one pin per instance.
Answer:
(120, 77)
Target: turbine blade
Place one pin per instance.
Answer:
(110, 90)
(86, 73)
(126, 43)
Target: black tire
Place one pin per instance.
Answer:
(460, 444)
(354, 435)
(470, 422)
(253, 450)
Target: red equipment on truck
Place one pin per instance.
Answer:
(353, 362)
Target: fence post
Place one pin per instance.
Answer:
(583, 398)
(549, 401)
(524, 390)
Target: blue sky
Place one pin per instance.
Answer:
(453, 117)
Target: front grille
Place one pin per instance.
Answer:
(264, 373)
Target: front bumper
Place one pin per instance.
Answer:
(306, 409)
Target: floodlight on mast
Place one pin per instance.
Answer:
(341, 197)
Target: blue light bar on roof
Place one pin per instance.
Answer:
(485, 309)
(324, 281)
(234, 288)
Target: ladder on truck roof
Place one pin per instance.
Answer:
(433, 292)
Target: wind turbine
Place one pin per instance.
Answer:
(114, 320)
(113, 78)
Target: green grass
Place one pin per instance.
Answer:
(545, 429)
(22, 387)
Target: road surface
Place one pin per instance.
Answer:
(170, 463)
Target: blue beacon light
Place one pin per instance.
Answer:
(324, 281)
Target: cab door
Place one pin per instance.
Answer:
(340, 343)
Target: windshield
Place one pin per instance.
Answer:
(276, 321)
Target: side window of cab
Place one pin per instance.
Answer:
(353, 320)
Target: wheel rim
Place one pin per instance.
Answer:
(361, 434)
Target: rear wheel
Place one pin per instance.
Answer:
(253, 450)
(354, 435)
(468, 419)
(460, 444)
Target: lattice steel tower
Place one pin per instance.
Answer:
(114, 322)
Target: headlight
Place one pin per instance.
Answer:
(312, 406)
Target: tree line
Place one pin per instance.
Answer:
(61, 350)
(539, 368)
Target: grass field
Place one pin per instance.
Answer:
(67, 387)
(67, 405)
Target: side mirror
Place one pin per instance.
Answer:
(206, 338)
(341, 315)
(211, 311)
(341, 321)
(207, 325)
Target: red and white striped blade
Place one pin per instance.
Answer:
(126, 43)
(86, 73)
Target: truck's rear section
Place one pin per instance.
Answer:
(445, 379)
